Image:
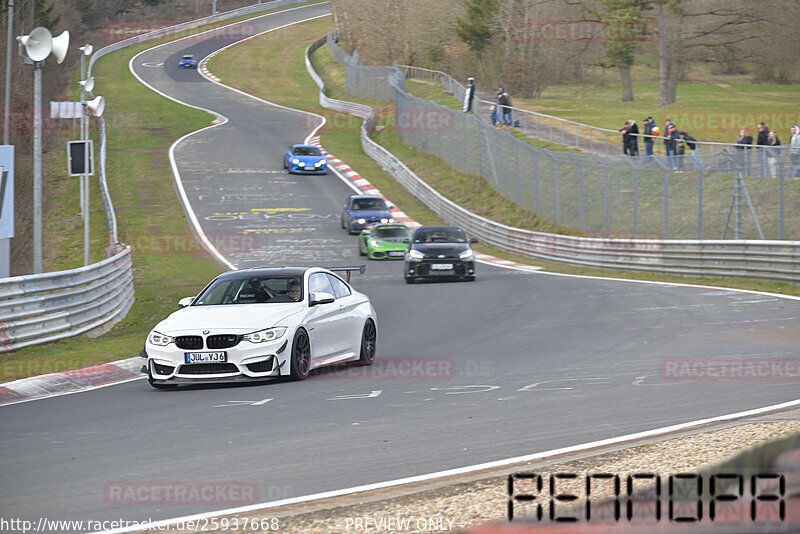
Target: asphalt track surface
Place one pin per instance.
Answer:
(512, 364)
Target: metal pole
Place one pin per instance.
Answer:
(37, 166)
(214, 9)
(85, 180)
(7, 104)
(83, 119)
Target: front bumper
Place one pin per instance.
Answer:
(308, 170)
(244, 362)
(423, 269)
(386, 254)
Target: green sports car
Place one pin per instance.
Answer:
(384, 241)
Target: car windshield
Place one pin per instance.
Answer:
(306, 151)
(251, 289)
(187, 57)
(385, 232)
(440, 235)
(369, 204)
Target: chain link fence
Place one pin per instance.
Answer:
(711, 193)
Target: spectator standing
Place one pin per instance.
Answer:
(762, 141)
(794, 149)
(633, 138)
(773, 153)
(469, 96)
(671, 145)
(505, 107)
(744, 142)
(691, 147)
(493, 114)
(624, 132)
(650, 128)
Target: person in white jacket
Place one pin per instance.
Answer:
(469, 96)
(794, 149)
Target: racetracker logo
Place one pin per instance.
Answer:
(734, 368)
(396, 368)
(176, 493)
(584, 31)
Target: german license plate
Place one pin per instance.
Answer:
(441, 266)
(396, 253)
(206, 357)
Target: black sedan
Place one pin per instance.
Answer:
(438, 252)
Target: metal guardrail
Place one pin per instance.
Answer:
(774, 260)
(41, 308)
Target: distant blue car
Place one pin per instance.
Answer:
(187, 62)
(305, 159)
(361, 211)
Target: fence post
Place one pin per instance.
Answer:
(666, 203)
(607, 198)
(700, 204)
(516, 169)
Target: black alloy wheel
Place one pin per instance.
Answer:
(301, 355)
(369, 339)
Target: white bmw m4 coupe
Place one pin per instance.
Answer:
(260, 324)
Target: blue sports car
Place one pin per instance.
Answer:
(187, 62)
(361, 211)
(305, 159)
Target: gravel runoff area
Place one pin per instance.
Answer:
(458, 504)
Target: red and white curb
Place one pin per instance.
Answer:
(207, 72)
(62, 383)
(363, 185)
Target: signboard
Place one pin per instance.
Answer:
(6, 191)
(76, 158)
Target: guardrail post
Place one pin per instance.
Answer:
(666, 203)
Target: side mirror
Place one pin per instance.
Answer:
(186, 301)
(474, 240)
(321, 298)
(406, 240)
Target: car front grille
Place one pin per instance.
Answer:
(189, 342)
(262, 367)
(222, 341)
(207, 368)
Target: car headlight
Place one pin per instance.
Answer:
(362, 221)
(320, 163)
(157, 338)
(416, 254)
(301, 164)
(262, 336)
(374, 242)
(295, 161)
(466, 254)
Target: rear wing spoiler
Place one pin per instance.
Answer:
(360, 268)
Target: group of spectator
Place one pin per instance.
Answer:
(680, 143)
(501, 110)
(768, 155)
(676, 142)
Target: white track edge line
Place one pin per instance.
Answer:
(461, 470)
